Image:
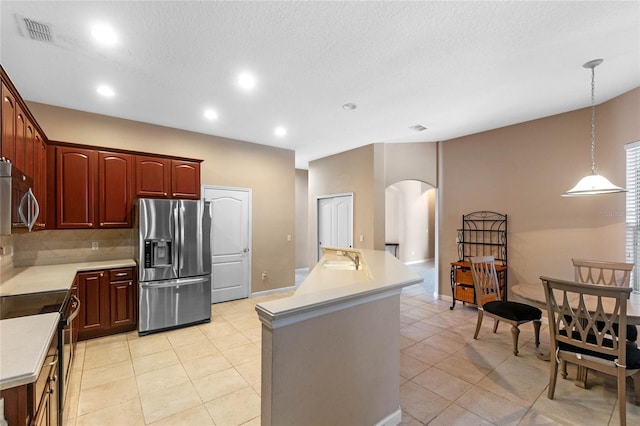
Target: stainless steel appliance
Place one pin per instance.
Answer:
(174, 263)
(68, 306)
(18, 206)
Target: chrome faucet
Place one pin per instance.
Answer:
(355, 259)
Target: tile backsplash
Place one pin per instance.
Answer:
(70, 246)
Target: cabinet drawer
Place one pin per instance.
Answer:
(121, 274)
(465, 293)
(463, 276)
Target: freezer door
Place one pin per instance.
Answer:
(195, 238)
(174, 303)
(156, 240)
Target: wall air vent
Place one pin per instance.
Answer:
(418, 128)
(36, 30)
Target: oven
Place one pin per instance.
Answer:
(68, 306)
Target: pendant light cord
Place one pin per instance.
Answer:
(593, 120)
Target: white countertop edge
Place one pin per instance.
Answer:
(35, 279)
(292, 316)
(30, 363)
(386, 275)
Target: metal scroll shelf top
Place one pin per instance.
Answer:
(483, 233)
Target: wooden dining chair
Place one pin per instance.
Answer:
(490, 301)
(617, 274)
(574, 309)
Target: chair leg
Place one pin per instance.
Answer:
(553, 376)
(622, 396)
(563, 369)
(495, 325)
(536, 330)
(515, 332)
(636, 387)
(478, 323)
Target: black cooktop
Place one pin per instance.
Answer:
(21, 305)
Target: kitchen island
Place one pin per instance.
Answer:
(330, 352)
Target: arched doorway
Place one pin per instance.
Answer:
(410, 227)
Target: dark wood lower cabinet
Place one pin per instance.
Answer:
(108, 302)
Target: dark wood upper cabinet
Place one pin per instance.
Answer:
(19, 160)
(153, 177)
(8, 123)
(75, 185)
(40, 177)
(115, 178)
(158, 177)
(185, 179)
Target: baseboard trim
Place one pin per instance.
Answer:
(274, 291)
(392, 419)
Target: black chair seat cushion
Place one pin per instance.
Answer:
(633, 353)
(513, 310)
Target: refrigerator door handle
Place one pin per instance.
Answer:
(173, 283)
(182, 241)
(179, 244)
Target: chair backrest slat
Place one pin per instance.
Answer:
(583, 316)
(485, 279)
(600, 272)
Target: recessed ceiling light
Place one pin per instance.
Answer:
(280, 131)
(105, 91)
(349, 106)
(104, 34)
(211, 114)
(246, 81)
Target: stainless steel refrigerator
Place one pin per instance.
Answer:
(174, 263)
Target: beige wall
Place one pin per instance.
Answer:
(366, 172)
(302, 217)
(521, 170)
(268, 171)
(350, 171)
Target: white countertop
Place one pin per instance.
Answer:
(382, 272)
(25, 342)
(34, 279)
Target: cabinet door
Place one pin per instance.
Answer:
(94, 302)
(8, 124)
(115, 181)
(75, 182)
(153, 177)
(185, 179)
(122, 303)
(21, 134)
(29, 140)
(40, 178)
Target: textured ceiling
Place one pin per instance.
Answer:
(455, 67)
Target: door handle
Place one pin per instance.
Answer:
(245, 250)
(33, 209)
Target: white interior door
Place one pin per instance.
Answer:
(230, 242)
(335, 222)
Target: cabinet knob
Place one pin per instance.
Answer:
(101, 223)
(102, 274)
(165, 194)
(90, 224)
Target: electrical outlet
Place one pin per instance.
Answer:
(94, 245)
(288, 237)
(264, 275)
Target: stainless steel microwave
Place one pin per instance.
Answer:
(19, 208)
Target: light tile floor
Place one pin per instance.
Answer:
(210, 374)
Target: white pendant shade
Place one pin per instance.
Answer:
(593, 185)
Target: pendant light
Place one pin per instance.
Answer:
(594, 183)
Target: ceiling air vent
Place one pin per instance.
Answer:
(418, 127)
(36, 30)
